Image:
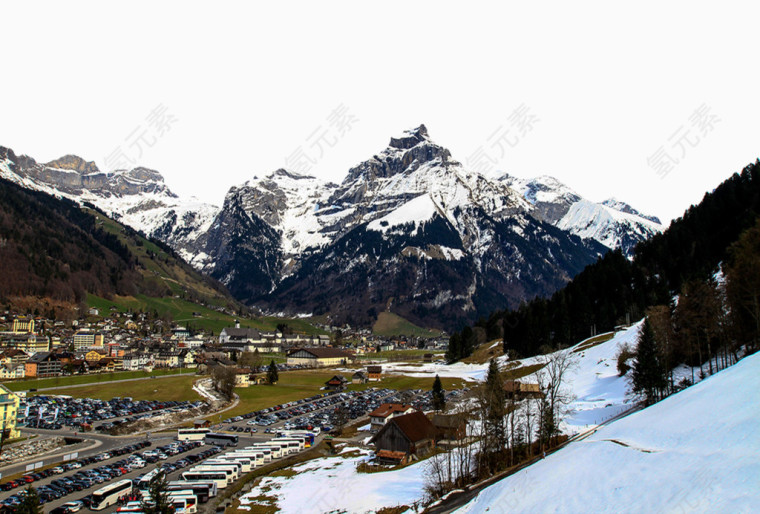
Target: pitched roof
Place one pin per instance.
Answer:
(242, 332)
(448, 420)
(322, 353)
(386, 409)
(415, 426)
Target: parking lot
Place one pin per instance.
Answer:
(56, 412)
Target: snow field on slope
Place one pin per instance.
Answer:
(695, 451)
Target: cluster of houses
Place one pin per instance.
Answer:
(128, 341)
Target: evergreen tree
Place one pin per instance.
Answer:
(272, 375)
(648, 375)
(454, 349)
(493, 410)
(31, 502)
(439, 395)
(159, 503)
(548, 427)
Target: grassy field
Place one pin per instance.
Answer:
(520, 371)
(485, 352)
(182, 311)
(41, 383)
(181, 280)
(594, 341)
(165, 389)
(389, 325)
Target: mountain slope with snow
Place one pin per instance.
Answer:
(137, 197)
(696, 451)
(613, 223)
(409, 230)
(412, 230)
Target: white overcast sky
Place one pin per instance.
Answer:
(607, 85)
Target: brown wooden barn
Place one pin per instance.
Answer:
(412, 435)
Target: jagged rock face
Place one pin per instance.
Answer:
(138, 197)
(243, 251)
(410, 230)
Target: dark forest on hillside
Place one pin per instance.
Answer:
(615, 289)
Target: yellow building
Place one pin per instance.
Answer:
(9, 403)
(23, 325)
(318, 357)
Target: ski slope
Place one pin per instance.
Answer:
(696, 451)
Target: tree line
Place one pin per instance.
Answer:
(708, 326)
(614, 290)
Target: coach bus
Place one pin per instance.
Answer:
(202, 490)
(216, 439)
(217, 477)
(192, 434)
(110, 494)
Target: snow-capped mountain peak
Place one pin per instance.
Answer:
(624, 207)
(613, 223)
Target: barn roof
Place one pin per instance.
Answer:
(415, 427)
(322, 353)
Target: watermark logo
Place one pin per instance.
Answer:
(156, 125)
(327, 135)
(508, 135)
(701, 123)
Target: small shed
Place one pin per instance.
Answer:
(374, 373)
(517, 391)
(359, 378)
(336, 383)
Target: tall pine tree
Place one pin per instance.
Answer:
(649, 374)
(272, 374)
(439, 395)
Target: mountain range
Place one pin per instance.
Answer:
(410, 230)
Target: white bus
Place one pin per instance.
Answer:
(227, 462)
(216, 439)
(202, 490)
(133, 506)
(287, 449)
(217, 477)
(246, 463)
(144, 482)
(257, 456)
(183, 502)
(192, 434)
(110, 494)
(293, 442)
(305, 434)
(230, 471)
(275, 452)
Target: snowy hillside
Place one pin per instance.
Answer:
(138, 197)
(599, 393)
(611, 227)
(696, 451)
(613, 223)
